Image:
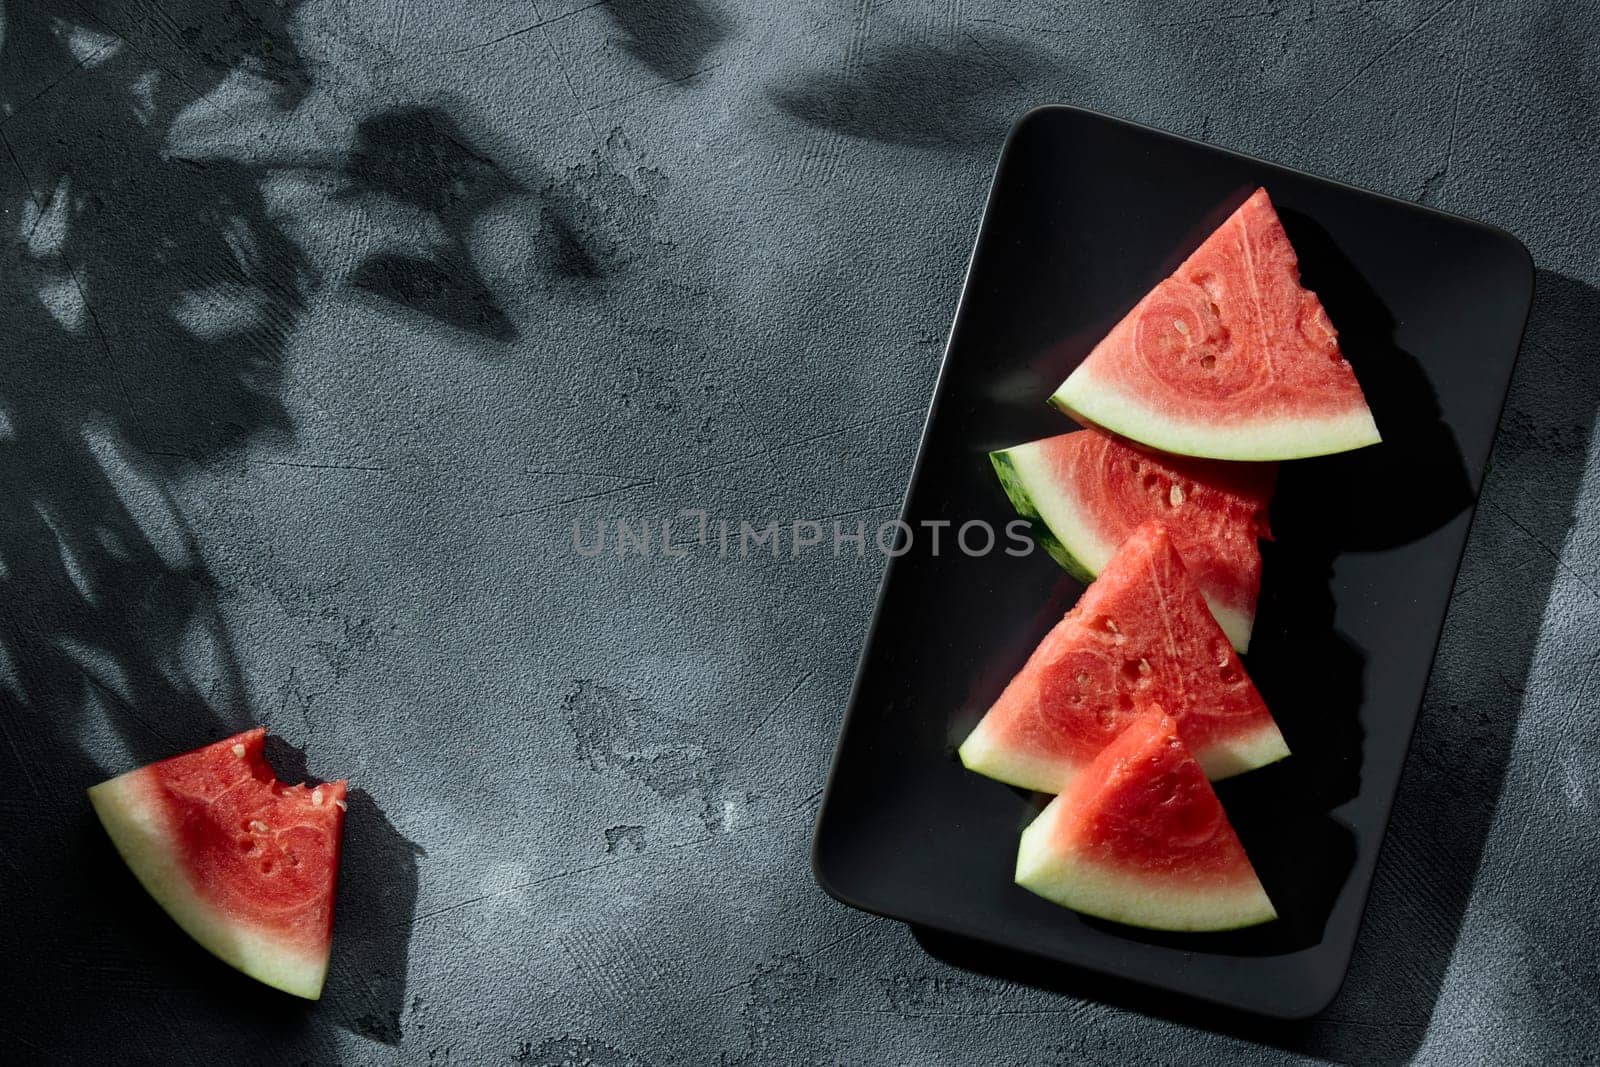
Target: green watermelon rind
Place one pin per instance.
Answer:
(982, 754)
(1099, 404)
(1076, 881)
(133, 820)
(1066, 538)
(1011, 465)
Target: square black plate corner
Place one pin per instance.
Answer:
(1086, 213)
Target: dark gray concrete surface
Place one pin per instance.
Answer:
(323, 324)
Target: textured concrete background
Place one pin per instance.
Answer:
(323, 324)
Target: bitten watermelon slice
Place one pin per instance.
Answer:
(1229, 357)
(1087, 491)
(1142, 839)
(1141, 633)
(245, 864)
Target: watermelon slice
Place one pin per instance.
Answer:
(245, 864)
(1228, 358)
(1142, 839)
(1140, 633)
(1087, 491)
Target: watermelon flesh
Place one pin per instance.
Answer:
(245, 864)
(1140, 634)
(1087, 491)
(1228, 358)
(1142, 839)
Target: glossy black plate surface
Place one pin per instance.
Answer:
(1086, 213)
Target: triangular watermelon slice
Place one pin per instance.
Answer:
(1141, 633)
(245, 864)
(1229, 357)
(1087, 491)
(1142, 839)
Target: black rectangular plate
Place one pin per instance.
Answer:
(1086, 213)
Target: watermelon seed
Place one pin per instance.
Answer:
(342, 805)
(238, 750)
(316, 796)
(1208, 361)
(1083, 679)
(1175, 495)
(1144, 666)
(1181, 326)
(258, 826)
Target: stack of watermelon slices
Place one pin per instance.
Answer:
(1138, 699)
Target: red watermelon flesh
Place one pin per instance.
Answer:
(1229, 357)
(1142, 839)
(1090, 490)
(244, 863)
(1140, 633)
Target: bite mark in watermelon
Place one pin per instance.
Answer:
(243, 863)
(1228, 358)
(1140, 633)
(1087, 491)
(1142, 839)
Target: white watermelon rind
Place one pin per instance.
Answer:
(1247, 752)
(1235, 623)
(983, 753)
(134, 820)
(1075, 880)
(1100, 404)
(1057, 517)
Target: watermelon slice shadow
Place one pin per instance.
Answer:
(1453, 792)
(1414, 481)
(373, 910)
(1381, 497)
(373, 917)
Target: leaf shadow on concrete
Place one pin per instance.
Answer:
(670, 37)
(943, 96)
(420, 158)
(149, 300)
(426, 188)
